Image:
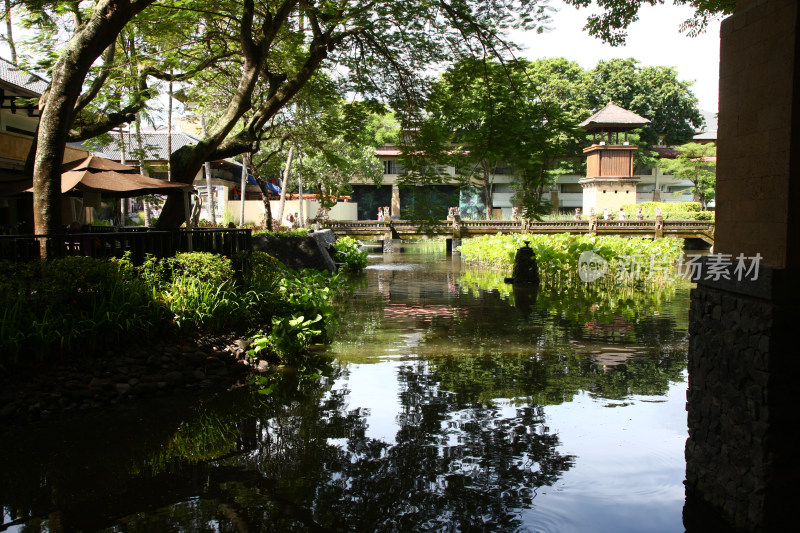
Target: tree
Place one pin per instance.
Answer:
(655, 93)
(385, 45)
(94, 33)
(278, 45)
(515, 117)
(610, 25)
(697, 163)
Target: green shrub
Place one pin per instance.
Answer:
(76, 305)
(348, 251)
(283, 232)
(669, 210)
(73, 305)
(201, 265)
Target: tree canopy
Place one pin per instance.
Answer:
(381, 49)
(697, 163)
(655, 93)
(520, 117)
(612, 23)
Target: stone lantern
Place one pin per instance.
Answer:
(609, 182)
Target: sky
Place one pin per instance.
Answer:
(654, 40)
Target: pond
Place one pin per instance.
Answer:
(451, 402)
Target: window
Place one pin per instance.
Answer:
(570, 188)
(391, 166)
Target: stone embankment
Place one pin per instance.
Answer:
(122, 376)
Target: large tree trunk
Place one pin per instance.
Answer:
(69, 72)
(212, 212)
(10, 33)
(284, 185)
(245, 170)
(302, 220)
(264, 195)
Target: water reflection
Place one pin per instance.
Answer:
(436, 413)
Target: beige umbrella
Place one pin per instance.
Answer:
(96, 176)
(112, 179)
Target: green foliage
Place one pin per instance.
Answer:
(307, 293)
(655, 93)
(670, 210)
(697, 163)
(348, 251)
(202, 266)
(630, 261)
(284, 232)
(611, 24)
(291, 336)
(74, 305)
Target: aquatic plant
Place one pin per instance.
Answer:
(348, 251)
(628, 260)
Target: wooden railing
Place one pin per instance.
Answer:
(115, 242)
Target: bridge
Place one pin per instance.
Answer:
(463, 229)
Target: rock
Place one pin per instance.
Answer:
(174, 378)
(97, 383)
(8, 410)
(199, 375)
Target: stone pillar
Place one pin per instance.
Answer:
(388, 243)
(395, 202)
(741, 455)
(554, 201)
(451, 245)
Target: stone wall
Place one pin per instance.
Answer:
(743, 426)
(758, 150)
(300, 252)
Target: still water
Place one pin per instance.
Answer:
(451, 402)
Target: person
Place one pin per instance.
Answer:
(380, 214)
(606, 214)
(289, 219)
(237, 193)
(621, 214)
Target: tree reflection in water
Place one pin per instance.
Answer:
(470, 443)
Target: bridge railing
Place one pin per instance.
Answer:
(508, 226)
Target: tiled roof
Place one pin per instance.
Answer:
(613, 115)
(154, 144)
(13, 75)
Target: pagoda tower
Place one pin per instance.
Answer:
(609, 181)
